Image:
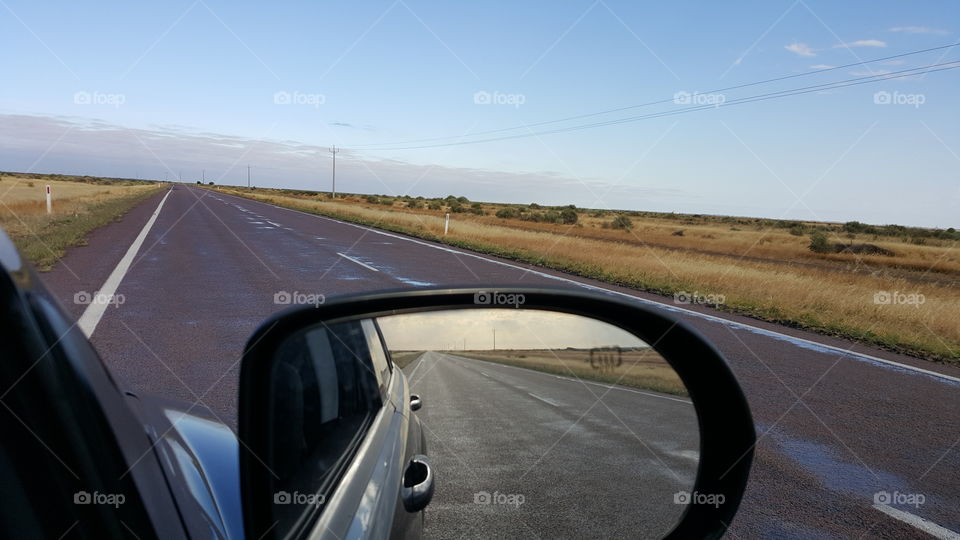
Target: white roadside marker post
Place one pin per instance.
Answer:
(446, 223)
(49, 204)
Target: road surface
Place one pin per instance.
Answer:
(845, 436)
(567, 459)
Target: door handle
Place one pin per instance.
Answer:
(417, 490)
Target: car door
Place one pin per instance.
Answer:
(74, 459)
(333, 457)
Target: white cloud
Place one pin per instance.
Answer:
(821, 66)
(862, 43)
(801, 49)
(919, 30)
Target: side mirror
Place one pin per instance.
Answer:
(329, 442)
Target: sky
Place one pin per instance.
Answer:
(473, 329)
(203, 88)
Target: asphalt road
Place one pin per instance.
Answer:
(524, 454)
(839, 426)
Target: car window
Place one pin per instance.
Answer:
(325, 393)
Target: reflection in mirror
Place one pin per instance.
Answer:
(546, 424)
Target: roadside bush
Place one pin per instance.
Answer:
(621, 222)
(819, 243)
(507, 213)
(435, 205)
(568, 215)
(372, 199)
(797, 230)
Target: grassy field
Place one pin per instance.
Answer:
(891, 286)
(80, 205)
(640, 368)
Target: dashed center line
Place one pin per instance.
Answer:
(543, 399)
(351, 259)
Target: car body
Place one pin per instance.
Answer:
(81, 455)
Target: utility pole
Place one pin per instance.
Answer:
(203, 175)
(333, 191)
(180, 176)
(248, 176)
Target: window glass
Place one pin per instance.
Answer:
(324, 392)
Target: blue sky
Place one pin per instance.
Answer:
(137, 89)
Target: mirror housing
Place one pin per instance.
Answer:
(727, 435)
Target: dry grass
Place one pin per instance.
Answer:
(762, 273)
(78, 208)
(640, 369)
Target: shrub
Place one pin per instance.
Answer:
(435, 205)
(506, 213)
(621, 222)
(797, 231)
(568, 215)
(819, 243)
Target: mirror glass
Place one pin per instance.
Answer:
(536, 423)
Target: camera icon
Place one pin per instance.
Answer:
(481, 497)
(482, 98)
(281, 98)
(882, 497)
(82, 298)
(81, 497)
(482, 297)
(282, 297)
(682, 297)
(681, 497)
(681, 98)
(882, 98)
(882, 297)
(82, 98)
(281, 497)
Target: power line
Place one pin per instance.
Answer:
(378, 146)
(739, 101)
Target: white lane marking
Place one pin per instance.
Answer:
(351, 259)
(771, 333)
(274, 224)
(543, 399)
(918, 522)
(91, 316)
